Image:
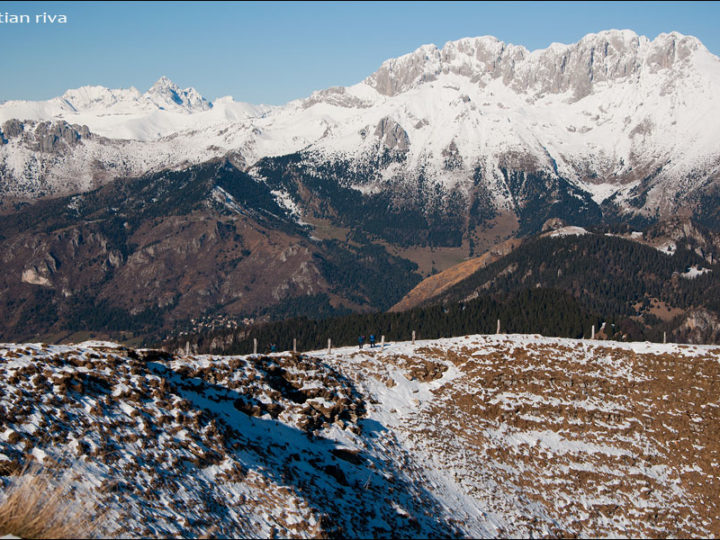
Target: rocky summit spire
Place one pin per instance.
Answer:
(169, 96)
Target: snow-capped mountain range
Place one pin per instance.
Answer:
(127, 114)
(617, 117)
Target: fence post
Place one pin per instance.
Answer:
(592, 332)
(664, 337)
(498, 327)
(329, 345)
(294, 345)
(254, 345)
(382, 342)
(413, 337)
(187, 348)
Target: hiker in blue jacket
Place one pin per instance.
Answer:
(361, 340)
(372, 341)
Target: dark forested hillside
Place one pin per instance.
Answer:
(647, 291)
(605, 273)
(139, 256)
(417, 216)
(558, 286)
(142, 257)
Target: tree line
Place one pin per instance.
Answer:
(542, 311)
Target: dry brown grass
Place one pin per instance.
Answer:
(36, 505)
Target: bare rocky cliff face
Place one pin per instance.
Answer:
(698, 326)
(597, 58)
(684, 233)
(392, 136)
(51, 137)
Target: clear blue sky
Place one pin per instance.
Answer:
(274, 52)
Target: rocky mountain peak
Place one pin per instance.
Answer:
(168, 95)
(399, 74)
(607, 55)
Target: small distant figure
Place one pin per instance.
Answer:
(361, 340)
(273, 348)
(372, 341)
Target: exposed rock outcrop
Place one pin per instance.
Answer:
(687, 234)
(392, 136)
(698, 326)
(553, 224)
(51, 137)
(605, 56)
(12, 128)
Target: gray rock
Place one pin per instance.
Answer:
(392, 135)
(698, 326)
(553, 224)
(83, 131)
(52, 137)
(453, 159)
(337, 95)
(12, 128)
(606, 56)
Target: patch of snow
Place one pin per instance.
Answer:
(568, 231)
(694, 272)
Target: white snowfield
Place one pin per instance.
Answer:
(476, 436)
(568, 231)
(694, 272)
(604, 113)
(127, 114)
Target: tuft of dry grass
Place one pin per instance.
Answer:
(37, 505)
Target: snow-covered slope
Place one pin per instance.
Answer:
(554, 437)
(127, 114)
(228, 447)
(479, 436)
(617, 115)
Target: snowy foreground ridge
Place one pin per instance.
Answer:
(478, 436)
